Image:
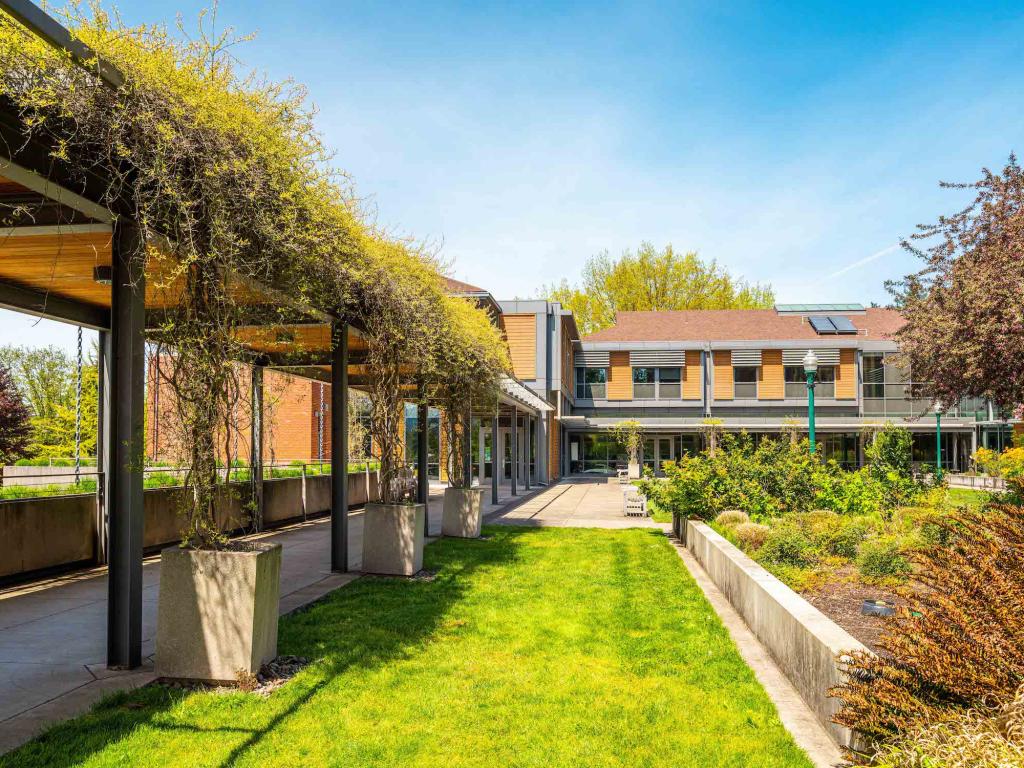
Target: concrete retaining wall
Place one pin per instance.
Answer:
(42, 533)
(803, 641)
(36, 476)
(59, 531)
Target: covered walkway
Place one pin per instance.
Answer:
(53, 636)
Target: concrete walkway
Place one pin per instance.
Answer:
(585, 502)
(53, 632)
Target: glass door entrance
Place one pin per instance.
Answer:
(657, 450)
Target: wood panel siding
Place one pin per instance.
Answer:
(693, 376)
(521, 332)
(620, 376)
(773, 380)
(554, 462)
(846, 375)
(723, 386)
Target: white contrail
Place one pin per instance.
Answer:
(865, 260)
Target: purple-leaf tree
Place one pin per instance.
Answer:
(14, 420)
(965, 309)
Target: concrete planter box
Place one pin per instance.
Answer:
(462, 512)
(633, 470)
(805, 643)
(393, 538)
(217, 613)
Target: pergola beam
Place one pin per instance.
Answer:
(46, 27)
(53, 307)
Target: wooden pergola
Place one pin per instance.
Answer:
(66, 256)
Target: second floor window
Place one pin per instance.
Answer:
(644, 386)
(796, 382)
(591, 383)
(670, 383)
(744, 379)
(657, 383)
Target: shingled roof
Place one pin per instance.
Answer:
(734, 325)
(457, 286)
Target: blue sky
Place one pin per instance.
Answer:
(792, 142)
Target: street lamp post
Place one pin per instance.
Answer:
(938, 440)
(811, 369)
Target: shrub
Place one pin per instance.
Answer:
(1011, 466)
(851, 493)
(959, 642)
(890, 464)
(731, 518)
(844, 538)
(882, 558)
(751, 536)
(976, 739)
(787, 545)
(986, 460)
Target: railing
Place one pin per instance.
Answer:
(42, 484)
(979, 482)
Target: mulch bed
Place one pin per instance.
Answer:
(271, 676)
(841, 600)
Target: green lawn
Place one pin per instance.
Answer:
(537, 647)
(957, 497)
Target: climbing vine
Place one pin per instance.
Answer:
(242, 217)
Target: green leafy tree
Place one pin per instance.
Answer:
(46, 379)
(649, 279)
(629, 434)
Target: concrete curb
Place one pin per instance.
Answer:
(801, 639)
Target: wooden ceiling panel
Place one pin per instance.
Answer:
(59, 264)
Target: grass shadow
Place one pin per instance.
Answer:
(368, 623)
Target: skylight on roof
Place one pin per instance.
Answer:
(822, 309)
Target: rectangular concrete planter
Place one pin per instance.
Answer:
(804, 642)
(462, 512)
(217, 613)
(393, 538)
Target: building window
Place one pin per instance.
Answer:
(888, 389)
(591, 383)
(745, 382)
(670, 383)
(826, 382)
(796, 382)
(657, 383)
(644, 383)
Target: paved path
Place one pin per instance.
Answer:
(581, 503)
(53, 632)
